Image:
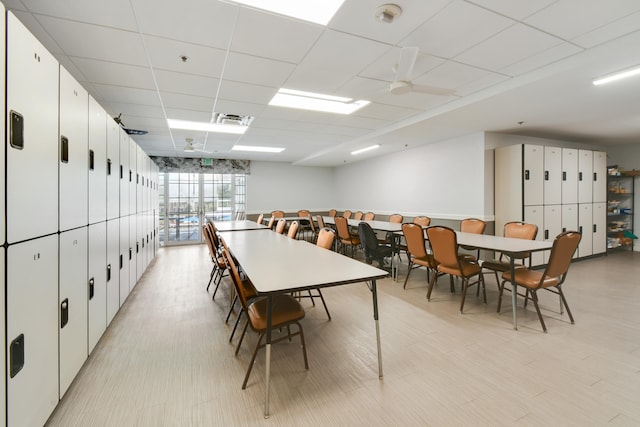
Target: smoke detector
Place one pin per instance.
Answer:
(387, 13)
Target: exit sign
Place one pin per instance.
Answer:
(206, 162)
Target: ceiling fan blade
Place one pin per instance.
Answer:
(408, 56)
(432, 90)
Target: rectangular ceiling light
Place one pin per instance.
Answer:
(362, 150)
(316, 102)
(617, 76)
(257, 149)
(317, 11)
(206, 126)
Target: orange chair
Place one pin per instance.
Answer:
(358, 215)
(423, 221)
(260, 219)
(332, 213)
(277, 214)
(396, 218)
(518, 230)
(272, 220)
(475, 226)
(282, 223)
(346, 214)
(417, 251)
(369, 216)
(293, 230)
(219, 266)
(345, 236)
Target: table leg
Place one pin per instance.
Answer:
(268, 356)
(374, 293)
(514, 292)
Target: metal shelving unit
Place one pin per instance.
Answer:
(620, 193)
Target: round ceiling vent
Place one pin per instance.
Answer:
(387, 13)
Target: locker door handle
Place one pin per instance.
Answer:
(91, 290)
(579, 176)
(595, 228)
(137, 178)
(564, 229)
(108, 166)
(16, 130)
(130, 253)
(137, 247)
(130, 175)
(121, 172)
(121, 257)
(546, 175)
(91, 160)
(580, 229)
(526, 174)
(546, 234)
(64, 313)
(564, 176)
(16, 355)
(64, 149)
(109, 273)
(595, 176)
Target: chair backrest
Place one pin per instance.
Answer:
(396, 218)
(208, 241)
(277, 214)
(260, 218)
(332, 213)
(241, 290)
(346, 214)
(281, 225)
(520, 230)
(358, 215)
(320, 221)
(342, 227)
(272, 220)
(293, 229)
(367, 236)
(303, 213)
(414, 236)
(325, 238)
(444, 245)
(564, 246)
(369, 216)
(239, 216)
(472, 225)
(424, 221)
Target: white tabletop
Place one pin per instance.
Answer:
(239, 225)
(276, 263)
(376, 225)
(508, 245)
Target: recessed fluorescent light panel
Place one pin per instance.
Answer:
(206, 126)
(257, 149)
(617, 76)
(318, 11)
(316, 102)
(364, 150)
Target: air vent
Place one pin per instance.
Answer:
(232, 119)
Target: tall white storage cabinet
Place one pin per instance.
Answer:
(113, 268)
(97, 283)
(74, 152)
(72, 304)
(133, 171)
(97, 162)
(113, 169)
(32, 143)
(126, 253)
(125, 173)
(3, 397)
(32, 331)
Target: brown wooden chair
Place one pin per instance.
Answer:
(417, 251)
(444, 244)
(347, 214)
(358, 215)
(277, 214)
(518, 230)
(320, 221)
(475, 226)
(285, 312)
(423, 221)
(219, 266)
(272, 221)
(332, 213)
(553, 276)
(325, 240)
(345, 236)
(396, 218)
(260, 219)
(306, 227)
(282, 223)
(369, 216)
(293, 229)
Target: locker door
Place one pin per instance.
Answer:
(552, 175)
(569, 175)
(140, 175)
(97, 162)
(126, 254)
(533, 175)
(113, 169)
(133, 173)
(585, 226)
(535, 215)
(585, 176)
(599, 242)
(73, 153)
(140, 246)
(72, 305)
(2, 156)
(97, 282)
(113, 268)
(32, 331)
(552, 225)
(32, 146)
(134, 244)
(3, 407)
(124, 173)
(570, 219)
(599, 176)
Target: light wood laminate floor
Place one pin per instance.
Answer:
(166, 360)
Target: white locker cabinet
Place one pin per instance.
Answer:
(585, 176)
(585, 226)
(570, 219)
(599, 241)
(569, 176)
(140, 245)
(124, 173)
(533, 175)
(552, 176)
(552, 225)
(32, 331)
(134, 251)
(599, 176)
(32, 136)
(73, 153)
(126, 253)
(508, 190)
(97, 162)
(97, 282)
(133, 171)
(113, 169)
(113, 268)
(535, 215)
(72, 304)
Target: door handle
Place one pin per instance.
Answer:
(64, 313)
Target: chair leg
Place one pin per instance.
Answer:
(484, 288)
(220, 276)
(500, 291)
(404, 286)
(213, 271)
(304, 347)
(244, 331)
(233, 303)
(325, 304)
(564, 301)
(235, 325)
(465, 285)
(431, 283)
(253, 359)
(534, 297)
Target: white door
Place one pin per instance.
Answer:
(599, 242)
(535, 215)
(570, 219)
(124, 172)
(585, 176)
(32, 331)
(72, 305)
(533, 175)
(113, 268)
(3, 406)
(113, 169)
(599, 176)
(134, 246)
(552, 225)
(133, 171)
(2, 158)
(569, 176)
(140, 245)
(125, 257)
(97, 282)
(97, 162)
(552, 175)
(585, 226)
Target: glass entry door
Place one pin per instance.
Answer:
(182, 209)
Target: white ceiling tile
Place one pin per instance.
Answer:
(187, 102)
(485, 82)
(621, 27)
(112, 13)
(14, 5)
(508, 47)
(241, 108)
(180, 114)
(128, 110)
(202, 60)
(515, 9)
(126, 95)
(472, 25)
(243, 92)
(386, 112)
(451, 75)
(187, 84)
(569, 19)
(541, 59)
(72, 68)
(39, 32)
(111, 73)
(256, 70)
(383, 68)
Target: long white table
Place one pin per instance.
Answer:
(241, 225)
(277, 264)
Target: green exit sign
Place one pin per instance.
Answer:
(206, 162)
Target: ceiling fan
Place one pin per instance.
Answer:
(402, 83)
(118, 120)
(191, 147)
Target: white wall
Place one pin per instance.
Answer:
(442, 180)
(281, 186)
(627, 156)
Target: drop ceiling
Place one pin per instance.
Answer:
(517, 66)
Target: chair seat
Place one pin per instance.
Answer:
(530, 278)
(354, 240)
(285, 310)
(468, 269)
(427, 261)
(498, 265)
